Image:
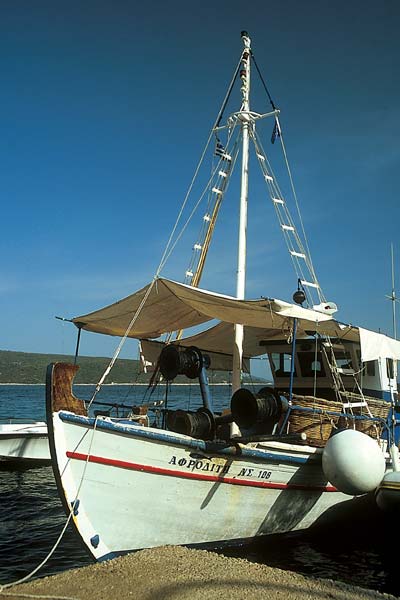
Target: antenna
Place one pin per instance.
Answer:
(393, 296)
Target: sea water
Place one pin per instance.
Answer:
(32, 517)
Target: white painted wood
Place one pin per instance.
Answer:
(24, 441)
(164, 493)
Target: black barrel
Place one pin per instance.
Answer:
(175, 361)
(199, 424)
(250, 409)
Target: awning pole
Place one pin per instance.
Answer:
(77, 344)
(292, 364)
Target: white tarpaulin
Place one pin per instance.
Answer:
(171, 306)
(377, 345)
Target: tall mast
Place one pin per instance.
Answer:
(244, 117)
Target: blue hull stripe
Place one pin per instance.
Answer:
(191, 443)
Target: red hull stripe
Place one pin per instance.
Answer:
(122, 464)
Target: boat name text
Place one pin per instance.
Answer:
(199, 465)
(211, 467)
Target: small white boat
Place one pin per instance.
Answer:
(24, 442)
(327, 431)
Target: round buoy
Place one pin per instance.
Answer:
(353, 462)
(388, 493)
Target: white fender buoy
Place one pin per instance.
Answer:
(388, 493)
(353, 462)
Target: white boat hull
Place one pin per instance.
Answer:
(24, 442)
(165, 488)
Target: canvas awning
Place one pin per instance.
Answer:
(218, 343)
(171, 306)
(167, 306)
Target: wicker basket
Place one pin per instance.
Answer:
(316, 421)
(378, 409)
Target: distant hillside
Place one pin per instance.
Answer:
(25, 367)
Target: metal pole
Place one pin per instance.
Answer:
(205, 391)
(241, 270)
(292, 364)
(77, 344)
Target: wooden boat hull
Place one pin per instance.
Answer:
(165, 488)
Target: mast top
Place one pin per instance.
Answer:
(245, 38)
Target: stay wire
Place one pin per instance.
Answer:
(262, 81)
(289, 171)
(311, 266)
(196, 206)
(164, 257)
(167, 251)
(228, 94)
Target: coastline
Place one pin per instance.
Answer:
(179, 573)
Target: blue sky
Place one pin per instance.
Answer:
(105, 108)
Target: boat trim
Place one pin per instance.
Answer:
(122, 464)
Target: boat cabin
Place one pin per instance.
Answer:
(317, 365)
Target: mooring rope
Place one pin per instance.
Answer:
(4, 588)
(7, 586)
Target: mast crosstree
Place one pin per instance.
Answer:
(246, 119)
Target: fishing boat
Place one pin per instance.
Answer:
(278, 457)
(24, 443)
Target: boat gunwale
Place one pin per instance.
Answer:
(167, 437)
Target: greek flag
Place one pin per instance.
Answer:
(219, 149)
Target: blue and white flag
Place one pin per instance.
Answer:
(219, 149)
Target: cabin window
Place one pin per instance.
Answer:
(282, 364)
(390, 368)
(311, 364)
(370, 368)
(343, 361)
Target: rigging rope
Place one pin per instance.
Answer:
(262, 81)
(227, 96)
(312, 270)
(293, 241)
(122, 342)
(320, 294)
(165, 254)
(185, 225)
